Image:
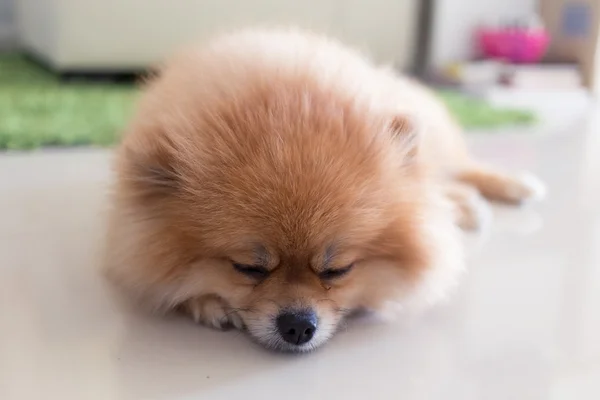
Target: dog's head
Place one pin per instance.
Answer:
(294, 209)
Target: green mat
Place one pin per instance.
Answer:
(37, 110)
(475, 113)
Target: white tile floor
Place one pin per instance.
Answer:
(524, 325)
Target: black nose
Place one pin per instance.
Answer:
(297, 327)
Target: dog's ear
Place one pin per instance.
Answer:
(148, 166)
(404, 131)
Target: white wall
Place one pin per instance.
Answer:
(454, 22)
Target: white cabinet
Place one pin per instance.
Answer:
(131, 34)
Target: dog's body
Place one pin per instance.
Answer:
(277, 181)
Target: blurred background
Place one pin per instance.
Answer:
(68, 68)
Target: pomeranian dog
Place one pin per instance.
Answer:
(276, 181)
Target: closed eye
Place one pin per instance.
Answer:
(334, 273)
(252, 271)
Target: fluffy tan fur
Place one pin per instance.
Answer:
(286, 150)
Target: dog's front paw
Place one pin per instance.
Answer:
(212, 311)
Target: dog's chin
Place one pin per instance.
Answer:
(278, 345)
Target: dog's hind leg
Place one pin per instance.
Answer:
(502, 187)
(471, 210)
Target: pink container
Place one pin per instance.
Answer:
(515, 45)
